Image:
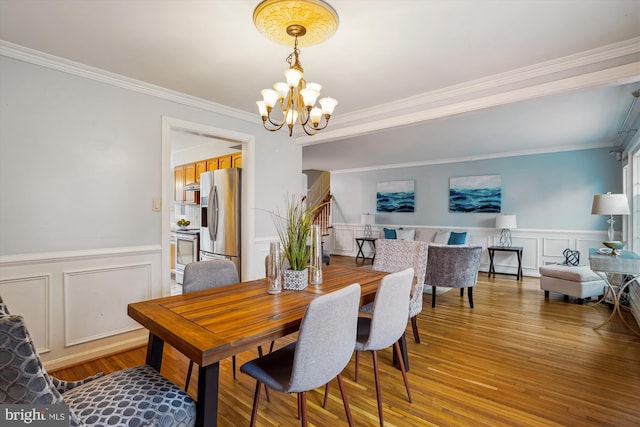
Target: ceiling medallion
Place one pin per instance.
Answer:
(273, 17)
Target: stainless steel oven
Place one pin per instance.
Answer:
(187, 250)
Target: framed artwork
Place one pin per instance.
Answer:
(482, 193)
(396, 196)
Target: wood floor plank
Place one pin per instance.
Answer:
(516, 359)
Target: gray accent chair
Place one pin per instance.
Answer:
(201, 275)
(453, 267)
(386, 326)
(137, 396)
(324, 347)
(397, 255)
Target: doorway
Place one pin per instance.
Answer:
(240, 141)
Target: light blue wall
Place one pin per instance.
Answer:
(545, 191)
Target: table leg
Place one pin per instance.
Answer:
(405, 354)
(207, 403)
(492, 269)
(155, 347)
(622, 288)
(360, 254)
(519, 276)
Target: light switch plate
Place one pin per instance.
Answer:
(156, 205)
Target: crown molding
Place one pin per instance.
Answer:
(42, 59)
(475, 158)
(618, 75)
(422, 106)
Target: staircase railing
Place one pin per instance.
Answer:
(323, 216)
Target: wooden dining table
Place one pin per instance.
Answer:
(210, 325)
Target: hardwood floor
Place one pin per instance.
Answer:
(516, 359)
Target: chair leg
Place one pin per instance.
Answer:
(233, 363)
(256, 400)
(345, 401)
(433, 296)
(326, 394)
(355, 375)
(470, 294)
(266, 389)
(188, 380)
(396, 347)
(302, 402)
(378, 391)
(461, 292)
(414, 327)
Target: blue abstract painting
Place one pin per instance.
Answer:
(475, 193)
(396, 196)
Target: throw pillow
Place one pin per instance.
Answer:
(457, 238)
(389, 233)
(442, 237)
(406, 234)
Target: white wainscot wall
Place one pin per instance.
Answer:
(75, 303)
(540, 246)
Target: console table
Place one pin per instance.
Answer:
(627, 263)
(359, 242)
(517, 249)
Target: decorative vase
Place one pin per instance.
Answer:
(316, 256)
(274, 268)
(296, 280)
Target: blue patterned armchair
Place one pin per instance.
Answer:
(137, 396)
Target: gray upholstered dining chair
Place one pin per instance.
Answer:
(133, 396)
(386, 325)
(396, 255)
(201, 275)
(453, 267)
(324, 346)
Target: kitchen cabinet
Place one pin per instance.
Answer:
(178, 177)
(236, 160)
(212, 164)
(200, 167)
(189, 178)
(173, 251)
(224, 162)
(190, 173)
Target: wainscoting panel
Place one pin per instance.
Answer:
(75, 303)
(94, 299)
(540, 246)
(29, 296)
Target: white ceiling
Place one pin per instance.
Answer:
(454, 78)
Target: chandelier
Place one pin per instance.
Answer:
(295, 98)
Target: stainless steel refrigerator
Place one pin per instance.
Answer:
(220, 216)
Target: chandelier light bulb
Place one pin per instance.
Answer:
(293, 77)
(282, 89)
(262, 108)
(270, 97)
(291, 117)
(328, 104)
(314, 86)
(309, 96)
(315, 115)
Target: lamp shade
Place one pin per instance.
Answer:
(506, 222)
(367, 219)
(610, 204)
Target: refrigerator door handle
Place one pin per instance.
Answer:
(213, 228)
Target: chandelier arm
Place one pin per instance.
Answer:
(278, 126)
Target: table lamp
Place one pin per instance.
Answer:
(506, 223)
(367, 220)
(611, 204)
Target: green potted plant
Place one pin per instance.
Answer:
(293, 228)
